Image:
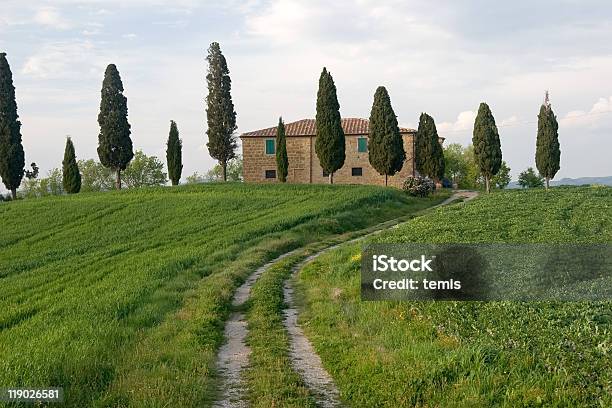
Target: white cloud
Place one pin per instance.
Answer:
(129, 36)
(283, 21)
(61, 59)
(511, 121)
(596, 116)
(464, 122)
(50, 17)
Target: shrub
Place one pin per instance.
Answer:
(419, 186)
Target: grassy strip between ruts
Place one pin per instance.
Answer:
(467, 354)
(271, 380)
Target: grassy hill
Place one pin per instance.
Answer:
(472, 354)
(120, 297)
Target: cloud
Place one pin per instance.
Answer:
(50, 17)
(282, 21)
(464, 122)
(61, 60)
(598, 115)
(511, 121)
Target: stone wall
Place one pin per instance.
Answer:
(304, 167)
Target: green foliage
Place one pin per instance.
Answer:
(220, 114)
(12, 157)
(133, 309)
(197, 178)
(282, 162)
(418, 186)
(529, 179)
(144, 171)
(481, 354)
(114, 143)
(385, 143)
(487, 147)
(233, 172)
(330, 143)
(174, 153)
(429, 156)
(39, 187)
(548, 153)
(94, 176)
(32, 174)
(455, 164)
(71, 178)
(461, 166)
(502, 178)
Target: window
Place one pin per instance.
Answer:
(270, 146)
(325, 174)
(362, 145)
(270, 174)
(357, 171)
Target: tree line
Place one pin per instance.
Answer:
(386, 149)
(385, 145)
(115, 148)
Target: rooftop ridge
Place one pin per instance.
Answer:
(307, 127)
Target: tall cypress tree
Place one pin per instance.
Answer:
(282, 162)
(330, 143)
(114, 143)
(429, 155)
(71, 177)
(548, 153)
(174, 152)
(220, 112)
(385, 143)
(487, 147)
(12, 157)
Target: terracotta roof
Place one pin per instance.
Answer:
(306, 127)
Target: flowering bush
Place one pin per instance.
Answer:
(419, 186)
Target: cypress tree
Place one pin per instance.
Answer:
(487, 147)
(548, 153)
(220, 112)
(282, 162)
(385, 143)
(71, 177)
(12, 156)
(330, 143)
(174, 152)
(429, 155)
(114, 143)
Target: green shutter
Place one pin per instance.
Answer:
(270, 146)
(362, 145)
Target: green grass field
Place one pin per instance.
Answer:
(468, 354)
(121, 297)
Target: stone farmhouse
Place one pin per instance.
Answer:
(259, 155)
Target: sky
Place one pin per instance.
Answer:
(443, 58)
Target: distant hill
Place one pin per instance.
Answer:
(606, 181)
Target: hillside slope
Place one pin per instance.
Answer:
(468, 353)
(120, 297)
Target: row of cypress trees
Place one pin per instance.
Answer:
(385, 144)
(386, 151)
(115, 148)
(386, 148)
(487, 145)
